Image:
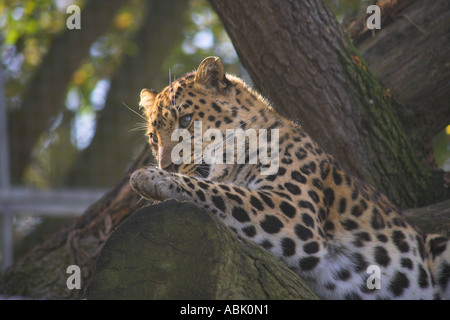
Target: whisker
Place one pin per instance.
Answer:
(135, 112)
(138, 128)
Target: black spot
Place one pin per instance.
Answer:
(311, 247)
(381, 256)
(337, 177)
(316, 182)
(227, 120)
(306, 204)
(218, 202)
(200, 195)
(283, 195)
(201, 114)
(202, 101)
(266, 244)
(399, 222)
(224, 187)
(249, 231)
(308, 169)
(266, 199)
(297, 176)
(406, 263)
(281, 171)
(399, 240)
(342, 274)
(359, 263)
(238, 190)
(438, 245)
(216, 107)
(358, 210)
(203, 185)
(292, 188)
(324, 169)
(174, 113)
(398, 284)
(349, 224)
(355, 194)
(377, 221)
(307, 220)
(313, 195)
(328, 197)
(288, 246)
(308, 263)
(444, 276)
(330, 286)
(421, 247)
(240, 214)
(342, 205)
(234, 197)
(286, 160)
(302, 232)
(271, 224)
(256, 203)
(382, 238)
(301, 153)
(423, 278)
(363, 236)
(323, 214)
(287, 209)
(328, 226)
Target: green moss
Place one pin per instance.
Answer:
(398, 170)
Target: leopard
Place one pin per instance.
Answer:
(331, 228)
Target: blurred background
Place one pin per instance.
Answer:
(69, 119)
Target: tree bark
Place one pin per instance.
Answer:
(409, 55)
(299, 57)
(176, 250)
(44, 96)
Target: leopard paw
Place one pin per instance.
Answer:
(152, 183)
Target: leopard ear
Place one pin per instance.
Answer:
(147, 97)
(210, 73)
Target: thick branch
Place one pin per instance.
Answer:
(175, 250)
(409, 55)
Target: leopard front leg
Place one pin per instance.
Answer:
(156, 184)
(262, 216)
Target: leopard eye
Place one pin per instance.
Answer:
(153, 138)
(185, 120)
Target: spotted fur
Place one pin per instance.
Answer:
(326, 225)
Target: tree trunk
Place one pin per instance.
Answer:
(176, 250)
(299, 57)
(44, 97)
(409, 55)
